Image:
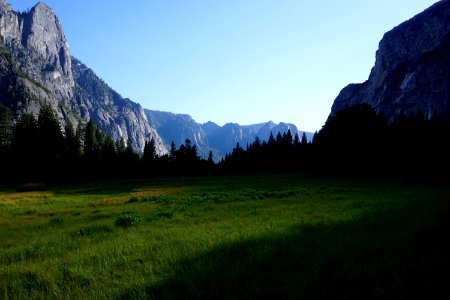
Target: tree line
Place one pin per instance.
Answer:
(36, 149)
(355, 141)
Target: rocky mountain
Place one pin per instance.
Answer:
(210, 136)
(37, 68)
(412, 69)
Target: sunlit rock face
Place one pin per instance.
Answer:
(37, 41)
(38, 49)
(412, 69)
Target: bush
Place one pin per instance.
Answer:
(127, 219)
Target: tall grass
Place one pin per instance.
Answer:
(227, 237)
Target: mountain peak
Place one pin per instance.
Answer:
(42, 6)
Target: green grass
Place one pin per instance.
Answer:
(283, 236)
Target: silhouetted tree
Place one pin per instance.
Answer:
(210, 158)
(5, 141)
(173, 152)
(108, 153)
(72, 143)
(24, 145)
(91, 145)
(120, 147)
(149, 158)
(51, 139)
(5, 129)
(304, 139)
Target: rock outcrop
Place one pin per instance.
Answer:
(35, 43)
(412, 69)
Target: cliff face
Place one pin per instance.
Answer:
(36, 45)
(412, 69)
(115, 115)
(37, 41)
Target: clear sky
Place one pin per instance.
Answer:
(243, 61)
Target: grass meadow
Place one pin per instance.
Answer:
(247, 237)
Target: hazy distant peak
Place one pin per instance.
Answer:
(210, 123)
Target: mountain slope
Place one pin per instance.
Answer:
(36, 44)
(412, 69)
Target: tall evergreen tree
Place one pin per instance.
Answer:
(296, 141)
(72, 143)
(120, 147)
(304, 139)
(91, 147)
(210, 158)
(289, 138)
(173, 152)
(108, 152)
(5, 128)
(149, 156)
(51, 139)
(271, 140)
(24, 146)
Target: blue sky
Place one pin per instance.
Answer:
(242, 61)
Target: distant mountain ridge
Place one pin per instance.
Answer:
(412, 69)
(210, 136)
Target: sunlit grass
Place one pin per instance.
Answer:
(67, 243)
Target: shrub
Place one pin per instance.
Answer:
(127, 219)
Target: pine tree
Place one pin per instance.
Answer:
(72, 143)
(90, 142)
(271, 140)
(24, 145)
(5, 128)
(149, 156)
(296, 141)
(120, 147)
(304, 139)
(289, 137)
(210, 158)
(108, 152)
(173, 152)
(51, 139)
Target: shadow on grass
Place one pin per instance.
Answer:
(386, 255)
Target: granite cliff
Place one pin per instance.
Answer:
(412, 69)
(37, 68)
